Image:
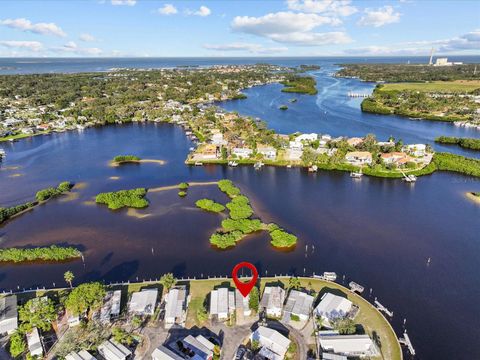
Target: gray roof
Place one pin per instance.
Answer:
(221, 301)
(143, 302)
(112, 350)
(111, 305)
(273, 297)
(163, 353)
(299, 303)
(175, 303)
(34, 345)
(198, 346)
(81, 355)
(8, 314)
(332, 306)
(350, 345)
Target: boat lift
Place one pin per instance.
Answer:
(406, 341)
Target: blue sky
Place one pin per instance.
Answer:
(238, 28)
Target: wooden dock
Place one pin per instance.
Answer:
(406, 341)
(382, 308)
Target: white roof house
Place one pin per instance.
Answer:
(269, 152)
(348, 345)
(111, 305)
(222, 303)
(416, 149)
(163, 353)
(307, 137)
(202, 347)
(81, 355)
(295, 145)
(242, 153)
(176, 306)
(359, 157)
(35, 346)
(112, 350)
(299, 304)
(272, 300)
(143, 302)
(8, 314)
(332, 307)
(274, 345)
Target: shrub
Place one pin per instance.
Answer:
(228, 188)
(134, 198)
(457, 163)
(294, 317)
(282, 239)
(226, 240)
(182, 193)
(51, 253)
(125, 158)
(183, 186)
(48, 193)
(210, 205)
(246, 226)
(240, 209)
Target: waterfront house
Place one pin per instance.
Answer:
(176, 306)
(206, 152)
(143, 302)
(307, 137)
(112, 350)
(272, 300)
(298, 304)
(111, 306)
(268, 152)
(274, 345)
(242, 153)
(347, 345)
(8, 314)
(359, 158)
(417, 150)
(163, 353)
(397, 158)
(43, 127)
(354, 141)
(294, 155)
(81, 355)
(222, 303)
(295, 145)
(332, 307)
(242, 305)
(35, 346)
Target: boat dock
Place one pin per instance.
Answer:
(382, 308)
(356, 287)
(357, 95)
(406, 341)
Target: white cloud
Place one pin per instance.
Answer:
(247, 47)
(38, 28)
(25, 45)
(73, 48)
(330, 7)
(379, 17)
(291, 28)
(202, 11)
(123, 2)
(87, 37)
(167, 9)
(463, 43)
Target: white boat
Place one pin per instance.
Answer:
(313, 168)
(232, 163)
(2, 154)
(410, 178)
(191, 149)
(356, 174)
(258, 165)
(198, 163)
(80, 127)
(289, 166)
(331, 276)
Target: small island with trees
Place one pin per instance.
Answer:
(50, 253)
(299, 84)
(134, 198)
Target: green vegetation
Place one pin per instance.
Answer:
(38, 312)
(182, 193)
(300, 84)
(85, 297)
(240, 208)
(68, 277)
(405, 73)
(226, 240)
(294, 283)
(48, 193)
(228, 188)
(282, 239)
(209, 205)
(134, 198)
(345, 326)
(17, 344)
(50, 253)
(183, 186)
(457, 163)
(122, 336)
(467, 143)
(254, 299)
(294, 317)
(246, 226)
(6, 213)
(125, 158)
(168, 281)
(448, 87)
(304, 67)
(283, 107)
(239, 96)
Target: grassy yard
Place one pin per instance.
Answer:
(458, 86)
(22, 136)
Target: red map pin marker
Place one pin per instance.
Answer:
(245, 288)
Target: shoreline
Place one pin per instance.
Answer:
(114, 163)
(472, 197)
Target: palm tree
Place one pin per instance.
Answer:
(294, 283)
(68, 276)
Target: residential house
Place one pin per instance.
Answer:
(242, 153)
(81, 355)
(332, 307)
(417, 150)
(8, 314)
(272, 300)
(359, 158)
(164, 353)
(176, 306)
(274, 345)
(112, 350)
(294, 155)
(348, 345)
(268, 152)
(35, 346)
(206, 152)
(354, 141)
(298, 304)
(143, 302)
(200, 346)
(295, 145)
(307, 137)
(217, 139)
(222, 303)
(111, 306)
(397, 158)
(242, 304)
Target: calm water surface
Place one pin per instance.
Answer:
(378, 232)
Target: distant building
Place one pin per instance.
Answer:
(307, 137)
(354, 141)
(8, 314)
(268, 152)
(222, 303)
(112, 350)
(332, 307)
(295, 145)
(176, 306)
(242, 153)
(143, 302)
(274, 345)
(35, 346)
(442, 62)
(272, 300)
(348, 345)
(299, 304)
(418, 150)
(81, 355)
(359, 157)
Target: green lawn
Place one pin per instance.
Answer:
(435, 86)
(21, 136)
